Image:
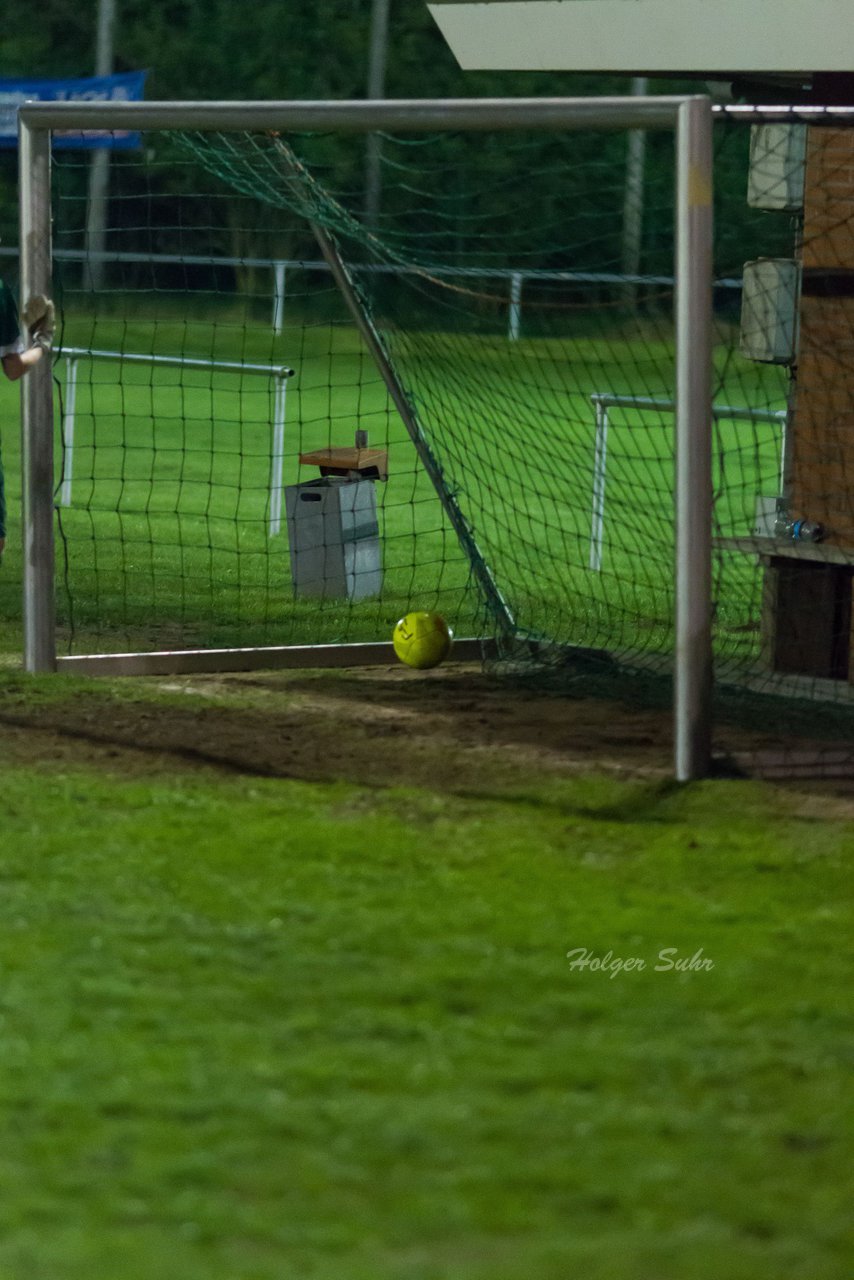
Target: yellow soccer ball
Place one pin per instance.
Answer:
(422, 639)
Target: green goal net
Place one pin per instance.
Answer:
(201, 360)
(493, 276)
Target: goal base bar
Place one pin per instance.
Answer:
(211, 661)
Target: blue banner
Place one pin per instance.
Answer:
(126, 87)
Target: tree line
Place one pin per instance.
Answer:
(215, 49)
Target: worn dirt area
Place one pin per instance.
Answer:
(455, 728)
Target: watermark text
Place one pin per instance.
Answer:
(668, 960)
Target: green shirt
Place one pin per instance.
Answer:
(10, 340)
(10, 329)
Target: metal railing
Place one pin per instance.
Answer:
(515, 277)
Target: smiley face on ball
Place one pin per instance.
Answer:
(422, 639)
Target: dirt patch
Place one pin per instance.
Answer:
(454, 727)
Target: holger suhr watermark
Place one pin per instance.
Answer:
(668, 960)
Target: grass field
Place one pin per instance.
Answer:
(286, 991)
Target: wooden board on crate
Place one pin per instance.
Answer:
(369, 464)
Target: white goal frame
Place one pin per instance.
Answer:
(688, 117)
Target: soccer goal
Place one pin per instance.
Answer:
(437, 449)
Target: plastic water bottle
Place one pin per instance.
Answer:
(799, 530)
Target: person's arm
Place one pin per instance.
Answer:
(39, 318)
(17, 363)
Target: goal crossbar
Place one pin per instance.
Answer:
(690, 119)
(355, 116)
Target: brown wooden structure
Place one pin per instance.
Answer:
(807, 592)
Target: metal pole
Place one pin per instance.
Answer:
(178, 362)
(633, 201)
(514, 320)
(600, 464)
(279, 297)
(68, 433)
(693, 666)
(376, 90)
(358, 116)
(278, 455)
(784, 489)
(37, 410)
(99, 172)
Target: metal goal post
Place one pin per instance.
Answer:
(690, 119)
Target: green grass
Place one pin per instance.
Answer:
(271, 1029)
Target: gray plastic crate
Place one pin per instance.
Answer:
(333, 534)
